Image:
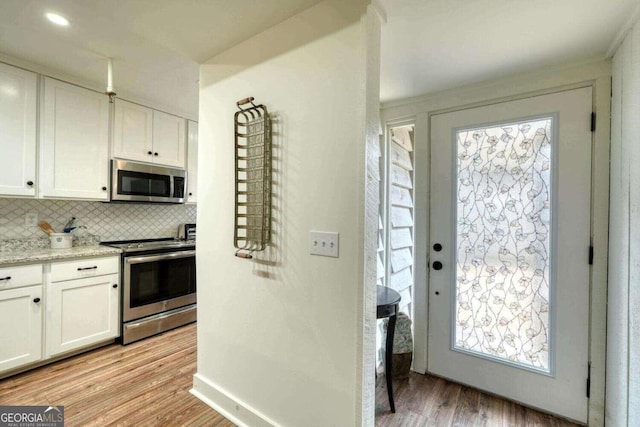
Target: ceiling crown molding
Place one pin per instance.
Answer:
(624, 30)
(380, 11)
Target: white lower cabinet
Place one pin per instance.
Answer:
(20, 326)
(47, 310)
(81, 312)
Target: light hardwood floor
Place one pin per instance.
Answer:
(425, 400)
(147, 384)
(143, 384)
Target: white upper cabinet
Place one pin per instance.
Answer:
(74, 150)
(133, 132)
(148, 135)
(18, 101)
(168, 139)
(192, 162)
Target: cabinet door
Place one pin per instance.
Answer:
(132, 132)
(18, 100)
(74, 160)
(168, 139)
(82, 312)
(20, 326)
(192, 162)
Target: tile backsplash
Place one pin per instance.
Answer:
(108, 221)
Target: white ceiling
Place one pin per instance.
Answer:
(427, 45)
(433, 45)
(155, 44)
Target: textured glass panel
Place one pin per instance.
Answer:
(503, 242)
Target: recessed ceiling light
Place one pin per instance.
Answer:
(57, 19)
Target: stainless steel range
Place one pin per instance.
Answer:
(159, 286)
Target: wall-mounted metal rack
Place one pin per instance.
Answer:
(252, 229)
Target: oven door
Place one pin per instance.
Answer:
(158, 282)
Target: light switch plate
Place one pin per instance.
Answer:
(324, 243)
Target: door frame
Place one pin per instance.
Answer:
(419, 111)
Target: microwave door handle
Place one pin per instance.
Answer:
(159, 257)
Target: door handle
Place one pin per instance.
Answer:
(437, 265)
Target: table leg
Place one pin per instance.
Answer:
(388, 360)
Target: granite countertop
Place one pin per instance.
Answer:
(26, 254)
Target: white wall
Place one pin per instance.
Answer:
(282, 337)
(419, 110)
(623, 323)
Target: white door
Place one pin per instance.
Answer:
(74, 148)
(82, 312)
(20, 326)
(18, 100)
(192, 162)
(132, 132)
(169, 137)
(510, 209)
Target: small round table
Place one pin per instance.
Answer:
(387, 306)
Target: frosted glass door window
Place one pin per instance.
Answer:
(503, 236)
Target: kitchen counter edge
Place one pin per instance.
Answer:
(31, 256)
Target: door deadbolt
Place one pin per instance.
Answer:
(437, 247)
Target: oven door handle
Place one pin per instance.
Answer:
(159, 257)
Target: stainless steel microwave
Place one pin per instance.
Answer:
(142, 182)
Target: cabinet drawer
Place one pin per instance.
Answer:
(78, 269)
(17, 277)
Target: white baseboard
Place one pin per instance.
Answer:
(228, 405)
